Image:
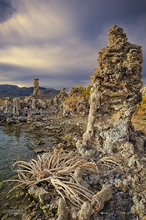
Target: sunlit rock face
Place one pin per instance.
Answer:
(113, 98)
(143, 91)
(76, 104)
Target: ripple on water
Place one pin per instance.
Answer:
(14, 146)
(12, 149)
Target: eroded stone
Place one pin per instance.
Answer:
(114, 95)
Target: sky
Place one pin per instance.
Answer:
(58, 41)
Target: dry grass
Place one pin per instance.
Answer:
(2, 101)
(109, 159)
(141, 107)
(58, 169)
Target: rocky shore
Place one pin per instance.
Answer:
(93, 167)
(126, 177)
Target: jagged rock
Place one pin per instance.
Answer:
(104, 195)
(39, 193)
(97, 203)
(143, 91)
(62, 210)
(79, 176)
(74, 104)
(56, 104)
(85, 211)
(77, 101)
(37, 93)
(29, 106)
(114, 95)
(16, 106)
(8, 108)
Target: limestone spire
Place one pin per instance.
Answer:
(36, 84)
(115, 93)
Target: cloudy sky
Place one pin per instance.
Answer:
(58, 40)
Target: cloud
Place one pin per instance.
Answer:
(58, 41)
(59, 58)
(11, 74)
(137, 36)
(34, 22)
(41, 40)
(6, 10)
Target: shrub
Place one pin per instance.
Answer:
(86, 92)
(58, 169)
(142, 105)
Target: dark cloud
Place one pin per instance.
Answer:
(58, 41)
(6, 10)
(22, 74)
(93, 16)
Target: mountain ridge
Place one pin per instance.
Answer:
(7, 90)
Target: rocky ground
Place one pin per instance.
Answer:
(127, 182)
(103, 177)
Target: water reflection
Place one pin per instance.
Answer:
(15, 144)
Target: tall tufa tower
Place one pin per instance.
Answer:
(36, 84)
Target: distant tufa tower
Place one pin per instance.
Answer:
(37, 93)
(36, 83)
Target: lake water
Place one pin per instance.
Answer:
(15, 145)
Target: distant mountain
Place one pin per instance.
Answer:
(14, 91)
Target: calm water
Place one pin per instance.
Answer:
(15, 145)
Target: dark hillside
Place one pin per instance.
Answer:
(13, 91)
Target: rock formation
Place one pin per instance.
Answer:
(8, 108)
(113, 98)
(16, 106)
(27, 107)
(77, 101)
(143, 91)
(37, 93)
(56, 105)
(36, 84)
(35, 105)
